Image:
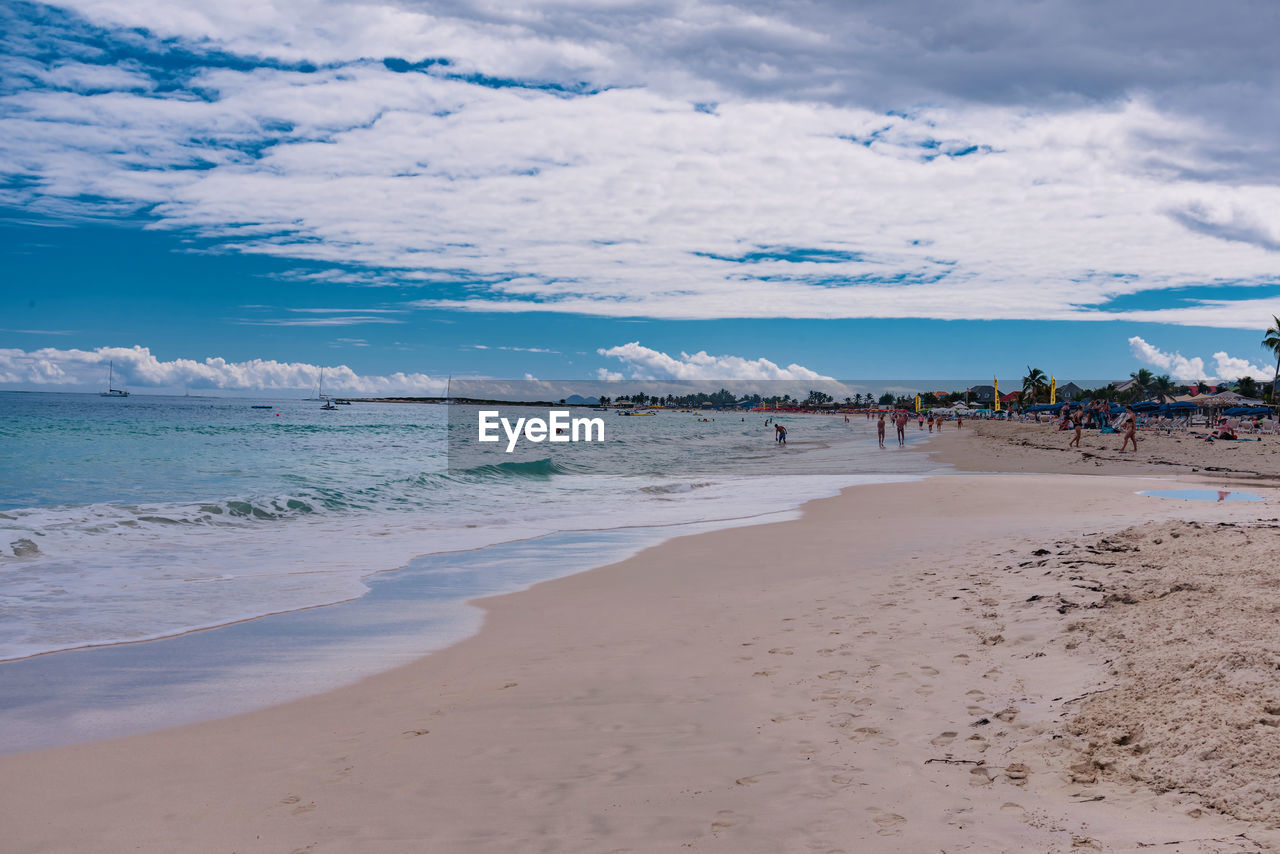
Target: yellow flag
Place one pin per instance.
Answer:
(917, 403)
(1053, 390)
(996, 395)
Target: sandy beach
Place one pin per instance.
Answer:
(996, 446)
(971, 662)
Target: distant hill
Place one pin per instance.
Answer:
(579, 400)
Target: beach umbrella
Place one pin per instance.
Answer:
(1247, 411)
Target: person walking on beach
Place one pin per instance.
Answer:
(930, 422)
(880, 429)
(921, 420)
(959, 422)
(1130, 423)
(1079, 419)
(900, 421)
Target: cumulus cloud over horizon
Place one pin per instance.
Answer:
(1189, 370)
(645, 363)
(136, 367)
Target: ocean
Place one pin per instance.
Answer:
(128, 520)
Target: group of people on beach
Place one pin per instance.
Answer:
(1097, 413)
(901, 418)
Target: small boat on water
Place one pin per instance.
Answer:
(111, 375)
(328, 404)
(637, 414)
(261, 406)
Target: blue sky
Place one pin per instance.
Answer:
(231, 198)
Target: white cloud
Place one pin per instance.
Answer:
(644, 363)
(514, 349)
(1176, 365)
(1233, 368)
(348, 320)
(136, 367)
(1186, 370)
(630, 202)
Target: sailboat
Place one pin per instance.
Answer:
(111, 376)
(328, 404)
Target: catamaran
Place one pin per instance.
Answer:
(111, 376)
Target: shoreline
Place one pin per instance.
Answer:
(630, 679)
(219, 671)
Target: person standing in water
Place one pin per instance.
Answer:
(900, 421)
(780, 433)
(880, 429)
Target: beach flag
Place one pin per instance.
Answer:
(996, 382)
(1053, 390)
(917, 403)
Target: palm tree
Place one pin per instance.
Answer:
(1271, 342)
(1142, 379)
(1032, 384)
(1247, 386)
(1163, 387)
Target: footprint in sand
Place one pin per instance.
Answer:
(752, 780)
(724, 820)
(943, 739)
(960, 659)
(979, 776)
(889, 823)
(782, 650)
(846, 779)
(792, 716)
(864, 703)
(768, 671)
(833, 674)
(929, 671)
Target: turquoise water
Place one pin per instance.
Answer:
(131, 519)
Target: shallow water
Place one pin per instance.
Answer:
(1203, 494)
(124, 520)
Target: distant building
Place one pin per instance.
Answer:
(1069, 391)
(984, 394)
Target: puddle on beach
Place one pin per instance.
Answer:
(1203, 494)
